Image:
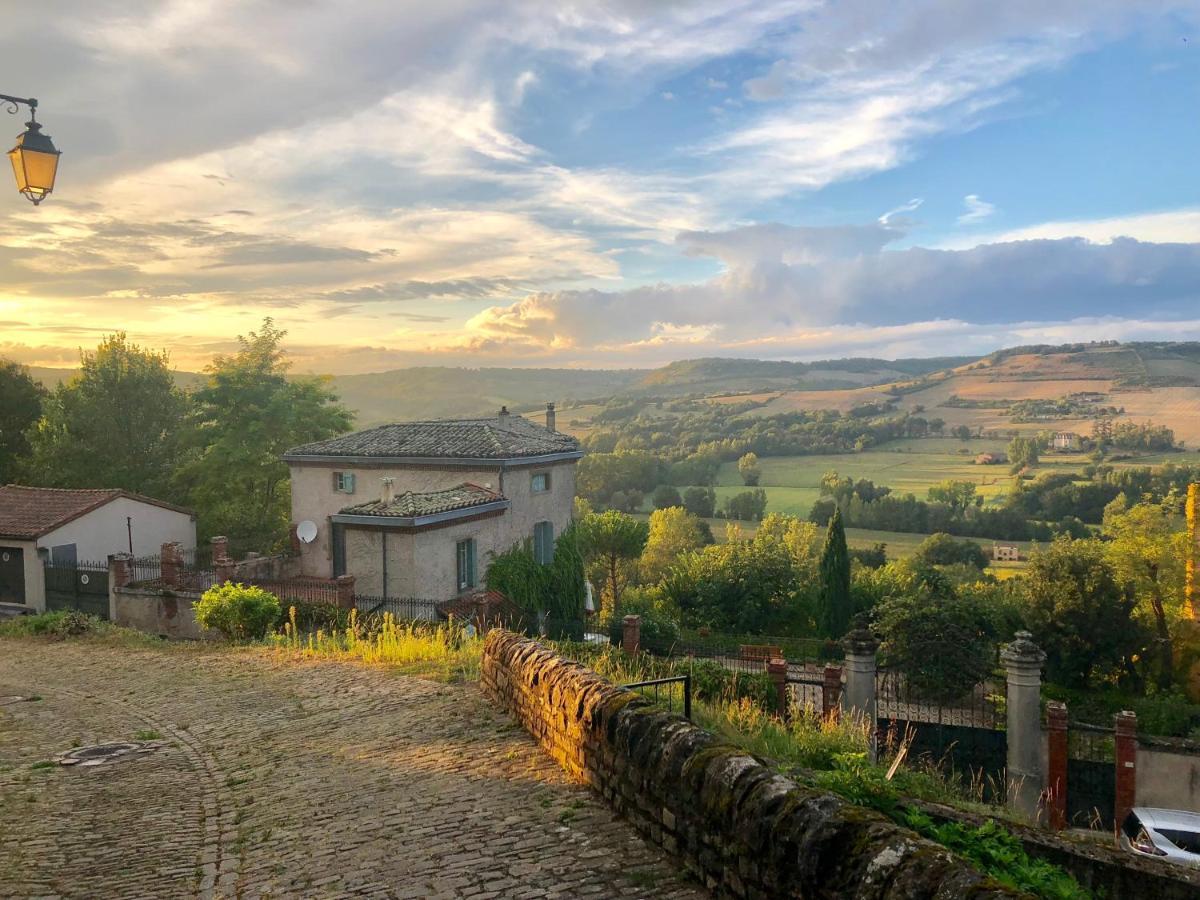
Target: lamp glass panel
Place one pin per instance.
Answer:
(40, 169)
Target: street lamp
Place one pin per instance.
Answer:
(34, 159)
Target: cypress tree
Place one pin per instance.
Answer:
(836, 603)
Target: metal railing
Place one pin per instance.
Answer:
(643, 688)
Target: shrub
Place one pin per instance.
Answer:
(238, 611)
(311, 616)
(59, 623)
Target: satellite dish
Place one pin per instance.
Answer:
(307, 531)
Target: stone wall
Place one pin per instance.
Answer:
(165, 613)
(741, 828)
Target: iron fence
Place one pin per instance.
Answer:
(1091, 776)
(664, 692)
(404, 608)
(300, 589)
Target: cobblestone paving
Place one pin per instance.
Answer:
(284, 779)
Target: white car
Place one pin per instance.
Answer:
(1170, 834)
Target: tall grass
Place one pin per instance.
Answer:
(447, 651)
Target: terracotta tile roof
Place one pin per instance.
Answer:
(498, 437)
(29, 512)
(411, 505)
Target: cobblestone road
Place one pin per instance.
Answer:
(284, 779)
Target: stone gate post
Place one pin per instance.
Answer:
(1023, 661)
(777, 671)
(631, 634)
(858, 696)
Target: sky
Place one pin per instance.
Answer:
(604, 183)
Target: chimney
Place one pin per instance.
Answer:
(503, 415)
(549, 416)
(389, 490)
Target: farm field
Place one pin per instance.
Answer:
(793, 483)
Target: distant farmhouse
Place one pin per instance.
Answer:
(415, 509)
(1006, 553)
(1066, 440)
(41, 527)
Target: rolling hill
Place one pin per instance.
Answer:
(1157, 382)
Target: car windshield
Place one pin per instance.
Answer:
(1188, 841)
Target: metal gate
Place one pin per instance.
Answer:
(82, 586)
(1091, 776)
(965, 737)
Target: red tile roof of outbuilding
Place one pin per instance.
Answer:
(28, 513)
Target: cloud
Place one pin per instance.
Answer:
(977, 210)
(785, 281)
(896, 214)
(1173, 226)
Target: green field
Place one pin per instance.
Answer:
(793, 483)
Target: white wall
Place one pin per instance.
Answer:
(102, 532)
(314, 499)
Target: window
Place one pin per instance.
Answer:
(543, 542)
(62, 555)
(343, 482)
(541, 482)
(465, 553)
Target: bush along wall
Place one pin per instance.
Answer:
(740, 828)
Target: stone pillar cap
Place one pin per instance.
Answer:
(860, 642)
(631, 618)
(1022, 651)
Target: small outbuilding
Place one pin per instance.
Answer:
(67, 528)
(1006, 553)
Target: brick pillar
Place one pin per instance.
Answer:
(831, 690)
(858, 698)
(120, 569)
(224, 569)
(1023, 661)
(220, 547)
(345, 591)
(1126, 741)
(777, 670)
(631, 634)
(1056, 769)
(171, 561)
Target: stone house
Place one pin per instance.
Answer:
(415, 509)
(1066, 440)
(1006, 553)
(63, 527)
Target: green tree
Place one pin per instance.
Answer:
(1080, 613)
(958, 495)
(666, 496)
(1023, 453)
(673, 532)
(1148, 549)
(700, 501)
(247, 415)
(749, 469)
(836, 605)
(942, 550)
(612, 541)
(115, 424)
(748, 506)
(21, 401)
(943, 641)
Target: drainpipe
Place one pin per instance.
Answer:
(383, 539)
